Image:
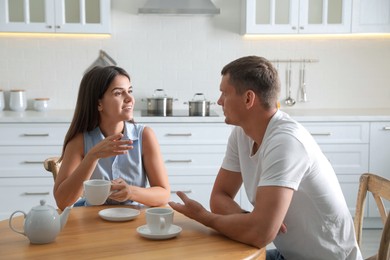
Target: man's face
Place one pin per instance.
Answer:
(231, 102)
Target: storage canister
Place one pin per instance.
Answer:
(41, 104)
(2, 100)
(18, 100)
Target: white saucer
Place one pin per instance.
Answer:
(173, 231)
(118, 214)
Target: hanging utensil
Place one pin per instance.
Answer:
(302, 85)
(289, 100)
(278, 71)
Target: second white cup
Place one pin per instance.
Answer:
(96, 192)
(159, 220)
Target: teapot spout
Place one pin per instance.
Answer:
(64, 216)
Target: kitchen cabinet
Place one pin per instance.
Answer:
(346, 145)
(23, 148)
(371, 16)
(379, 158)
(55, 16)
(193, 154)
(296, 16)
(192, 147)
(354, 148)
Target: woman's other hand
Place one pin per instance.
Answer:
(121, 191)
(111, 146)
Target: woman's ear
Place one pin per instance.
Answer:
(100, 107)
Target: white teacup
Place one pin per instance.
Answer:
(96, 192)
(159, 220)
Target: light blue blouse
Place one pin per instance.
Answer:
(127, 166)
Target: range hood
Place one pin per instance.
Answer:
(178, 7)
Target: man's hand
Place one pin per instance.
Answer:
(190, 208)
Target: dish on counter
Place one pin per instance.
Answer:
(173, 231)
(119, 214)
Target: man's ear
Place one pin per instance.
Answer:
(250, 98)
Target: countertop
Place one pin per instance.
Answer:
(65, 116)
(302, 115)
(352, 115)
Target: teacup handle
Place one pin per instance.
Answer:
(162, 223)
(10, 222)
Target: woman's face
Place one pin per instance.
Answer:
(117, 103)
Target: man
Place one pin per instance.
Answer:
(287, 178)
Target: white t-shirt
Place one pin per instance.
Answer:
(319, 225)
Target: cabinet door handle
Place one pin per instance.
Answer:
(179, 161)
(184, 191)
(301, 28)
(294, 27)
(386, 128)
(36, 193)
(33, 162)
(35, 135)
(321, 134)
(49, 26)
(179, 134)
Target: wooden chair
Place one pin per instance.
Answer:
(380, 189)
(52, 165)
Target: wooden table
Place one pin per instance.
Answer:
(87, 236)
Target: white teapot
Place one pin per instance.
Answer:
(42, 224)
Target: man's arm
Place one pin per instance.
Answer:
(225, 188)
(257, 228)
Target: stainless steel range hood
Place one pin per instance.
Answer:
(178, 7)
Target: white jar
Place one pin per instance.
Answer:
(41, 104)
(2, 100)
(18, 100)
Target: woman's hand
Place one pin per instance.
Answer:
(111, 146)
(121, 191)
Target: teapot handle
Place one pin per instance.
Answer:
(10, 222)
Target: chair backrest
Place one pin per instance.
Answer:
(52, 165)
(379, 187)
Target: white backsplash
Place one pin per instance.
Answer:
(185, 54)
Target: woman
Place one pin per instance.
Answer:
(104, 142)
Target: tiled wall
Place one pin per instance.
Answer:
(184, 55)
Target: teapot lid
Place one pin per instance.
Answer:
(42, 206)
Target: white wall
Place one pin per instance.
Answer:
(184, 55)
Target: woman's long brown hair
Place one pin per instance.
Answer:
(92, 88)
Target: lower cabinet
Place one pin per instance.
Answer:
(193, 169)
(379, 158)
(24, 193)
(23, 179)
(346, 145)
(354, 148)
(195, 187)
(193, 154)
(349, 161)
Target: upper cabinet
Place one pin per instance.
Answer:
(296, 16)
(55, 16)
(371, 16)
